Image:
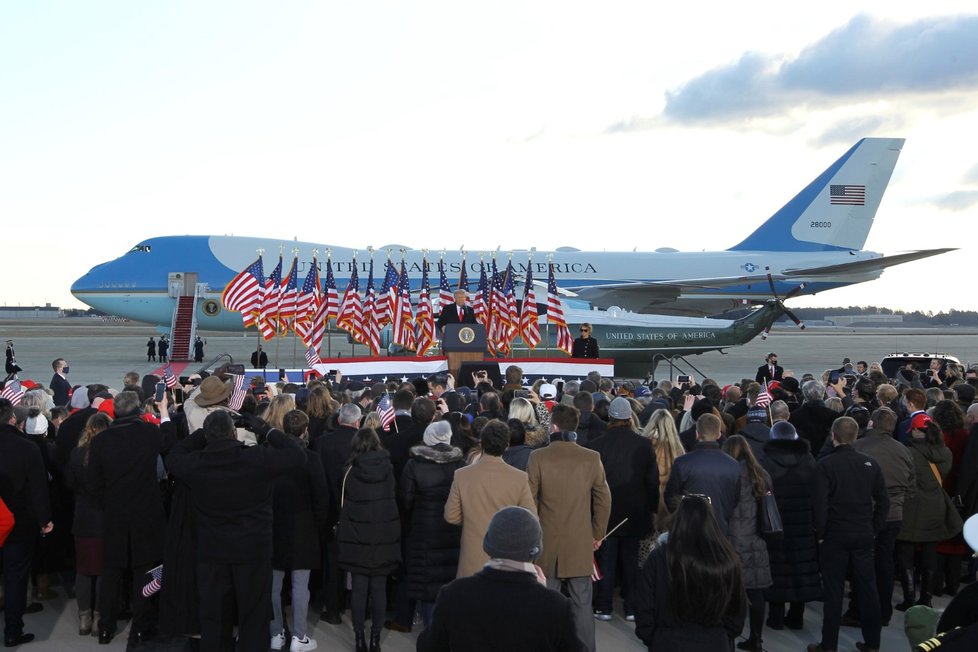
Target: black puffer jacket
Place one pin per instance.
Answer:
(793, 558)
(432, 543)
(369, 534)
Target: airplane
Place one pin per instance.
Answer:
(815, 239)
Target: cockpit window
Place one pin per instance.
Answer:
(142, 248)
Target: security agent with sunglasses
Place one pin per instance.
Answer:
(585, 346)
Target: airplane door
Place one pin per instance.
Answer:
(174, 285)
(189, 283)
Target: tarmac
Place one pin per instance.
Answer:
(103, 351)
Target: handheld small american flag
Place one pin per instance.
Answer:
(156, 583)
(445, 297)
(529, 323)
(555, 313)
(312, 357)
(13, 391)
(596, 575)
(386, 410)
(763, 397)
(169, 378)
(238, 394)
(244, 293)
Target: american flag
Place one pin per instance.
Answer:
(425, 319)
(328, 308)
(529, 325)
(509, 290)
(596, 575)
(481, 297)
(13, 391)
(847, 195)
(244, 293)
(371, 325)
(289, 296)
(555, 313)
(763, 397)
(386, 410)
(384, 306)
(463, 277)
(445, 297)
(154, 584)
(169, 378)
(312, 357)
(350, 316)
(268, 320)
(307, 305)
(238, 394)
(403, 325)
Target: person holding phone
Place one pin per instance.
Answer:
(585, 346)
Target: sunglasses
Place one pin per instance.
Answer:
(585, 330)
(708, 500)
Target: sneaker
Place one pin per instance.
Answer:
(602, 615)
(303, 644)
(278, 641)
(630, 618)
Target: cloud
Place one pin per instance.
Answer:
(866, 59)
(848, 131)
(971, 176)
(957, 201)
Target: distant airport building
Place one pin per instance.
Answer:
(47, 311)
(855, 320)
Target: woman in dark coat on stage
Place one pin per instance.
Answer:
(794, 557)
(369, 531)
(432, 543)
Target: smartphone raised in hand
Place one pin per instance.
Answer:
(160, 392)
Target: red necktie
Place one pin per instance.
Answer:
(460, 315)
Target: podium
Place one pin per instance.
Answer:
(463, 343)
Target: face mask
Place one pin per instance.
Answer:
(65, 370)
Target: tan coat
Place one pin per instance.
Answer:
(574, 503)
(478, 492)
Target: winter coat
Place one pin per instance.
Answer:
(122, 475)
(23, 484)
(300, 504)
(813, 421)
(706, 470)
(656, 625)
(369, 533)
(478, 492)
(432, 543)
(924, 514)
(633, 478)
(574, 504)
(88, 517)
(850, 494)
(794, 556)
(744, 535)
(897, 464)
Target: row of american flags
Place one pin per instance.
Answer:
(278, 304)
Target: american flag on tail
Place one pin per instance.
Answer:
(237, 395)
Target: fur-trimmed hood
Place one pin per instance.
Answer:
(439, 454)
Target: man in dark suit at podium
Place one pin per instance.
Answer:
(456, 313)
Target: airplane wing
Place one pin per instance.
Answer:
(645, 296)
(863, 266)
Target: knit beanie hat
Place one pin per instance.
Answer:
(437, 432)
(514, 533)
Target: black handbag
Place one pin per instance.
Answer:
(769, 523)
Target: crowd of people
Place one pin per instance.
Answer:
(518, 517)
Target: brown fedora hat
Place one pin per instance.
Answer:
(212, 391)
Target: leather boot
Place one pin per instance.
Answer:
(360, 641)
(926, 584)
(95, 616)
(906, 583)
(374, 640)
(85, 622)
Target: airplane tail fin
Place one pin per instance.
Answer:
(836, 210)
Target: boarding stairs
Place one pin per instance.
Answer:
(183, 327)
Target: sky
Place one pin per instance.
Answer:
(609, 126)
